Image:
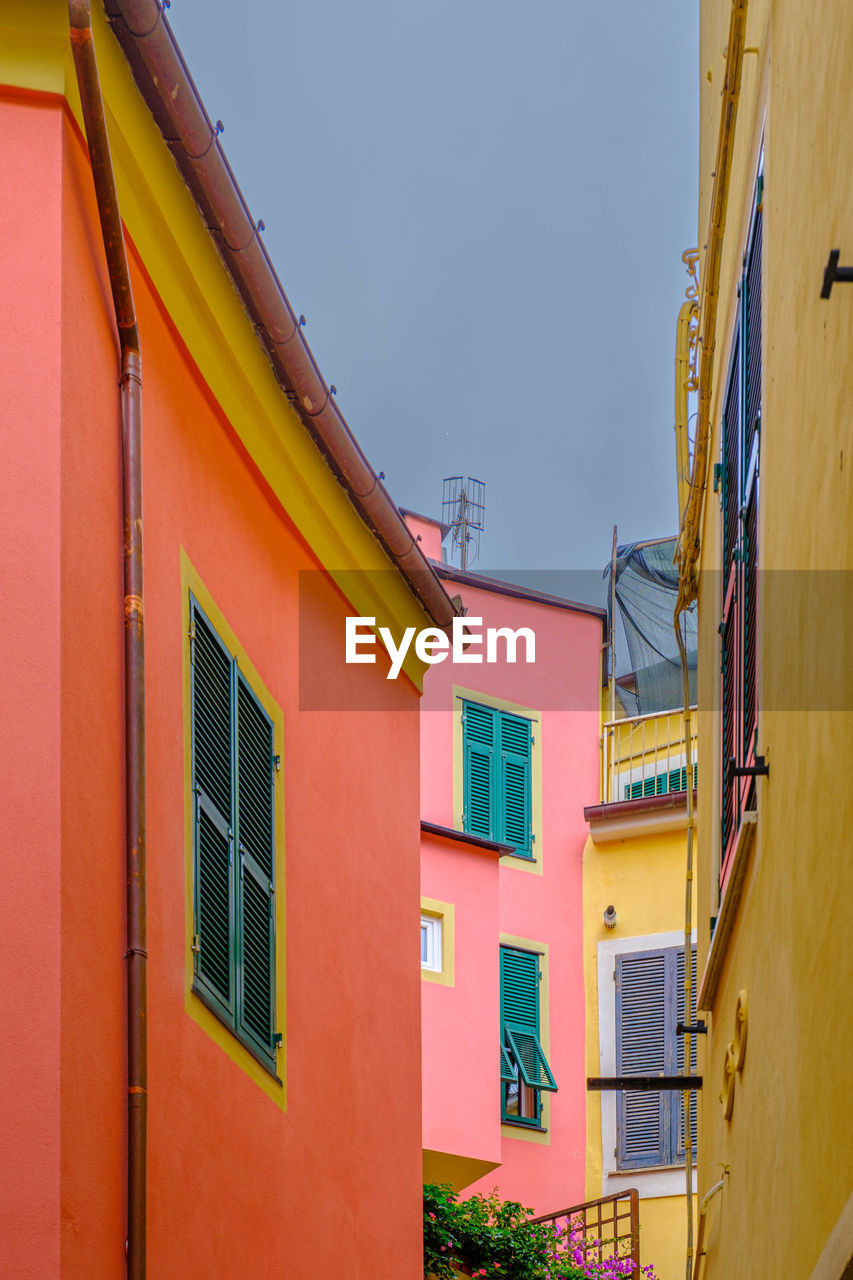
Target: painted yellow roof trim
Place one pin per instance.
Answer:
(181, 259)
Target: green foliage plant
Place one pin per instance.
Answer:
(493, 1239)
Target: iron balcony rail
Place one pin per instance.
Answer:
(645, 756)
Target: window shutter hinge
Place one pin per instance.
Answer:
(718, 475)
(276, 763)
(196, 943)
(277, 1040)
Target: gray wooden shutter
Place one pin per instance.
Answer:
(255, 887)
(213, 784)
(678, 1057)
(641, 1026)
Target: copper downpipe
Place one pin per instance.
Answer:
(134, 653)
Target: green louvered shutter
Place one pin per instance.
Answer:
(519, 983)
(256, 912)
(528, 1053)
(641, 1024)
(213, 795)
(479, 725)
(520, 988)
(515, 752)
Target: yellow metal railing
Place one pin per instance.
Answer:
(646, 756)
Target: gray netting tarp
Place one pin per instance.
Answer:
(646, 590)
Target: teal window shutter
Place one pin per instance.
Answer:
(255, 785)
(520, 988)
(523, 1060)
(508, 1074)
(233, 778)
(497, 751)
(742, 428)
(479, 731)
(516, 746)
(212, 780)
(527, 1051)
(660, 784)
(649, 1004)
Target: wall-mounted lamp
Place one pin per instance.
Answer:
(610, 917)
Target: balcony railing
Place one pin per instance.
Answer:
(646, 756)
(600, 1229)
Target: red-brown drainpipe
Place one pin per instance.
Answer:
(134, 654)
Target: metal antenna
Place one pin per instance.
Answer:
(463, 507)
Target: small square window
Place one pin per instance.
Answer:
(431, 943)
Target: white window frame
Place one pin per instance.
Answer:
(651, 1183)
(434, 940)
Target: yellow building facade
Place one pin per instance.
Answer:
(634, 921)
(773, 522)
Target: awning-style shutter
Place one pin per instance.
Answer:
(255, 782)
(515, 750)
(213, 795)
(532, 1063)
(507, 1069)
(520, 1019)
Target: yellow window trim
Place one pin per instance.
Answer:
(194, 1005)
(533, 866)
(518, 1131)
(446, 912)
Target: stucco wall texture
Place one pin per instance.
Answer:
(237, 1186)
(785, 1153)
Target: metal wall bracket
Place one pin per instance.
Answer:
(833, 274)
(699, 1028)
(761, 769)
(647, 1084)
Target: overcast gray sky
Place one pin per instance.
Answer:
(480, 208)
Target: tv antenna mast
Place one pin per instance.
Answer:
(463, 507)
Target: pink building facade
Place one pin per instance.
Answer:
(509, 757)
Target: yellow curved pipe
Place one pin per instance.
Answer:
(687, 548)
(686, 319)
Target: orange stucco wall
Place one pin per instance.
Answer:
(238, 1186)
(30, 907)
